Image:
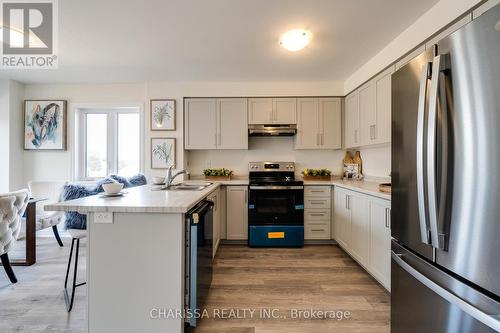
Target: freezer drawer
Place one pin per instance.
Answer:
(426, 299)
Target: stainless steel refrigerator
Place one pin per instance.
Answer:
(446, 184)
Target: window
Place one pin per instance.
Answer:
(110, 142)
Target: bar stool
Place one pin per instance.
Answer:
(76, 235)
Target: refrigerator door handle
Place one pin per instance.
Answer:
(420, 154)
(431, 152)
(487, 319)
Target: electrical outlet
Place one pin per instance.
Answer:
(103, 217)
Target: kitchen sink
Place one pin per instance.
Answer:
(189, 186)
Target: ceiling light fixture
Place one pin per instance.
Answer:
(296, 39)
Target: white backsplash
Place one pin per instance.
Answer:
(282, 149)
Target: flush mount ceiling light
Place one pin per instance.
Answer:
(296, 39)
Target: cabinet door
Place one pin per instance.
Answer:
(342, 215)
(368, 113)
(351, 137)
(237, 212)
(200, 123)
(379, 263)
(358, 204)
(330, 123)
(285, 111)
(308, 124)
(384, 95)
(260, 111)
(232, 123)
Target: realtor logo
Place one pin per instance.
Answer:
(28, 34)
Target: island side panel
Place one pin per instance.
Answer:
(134, 266)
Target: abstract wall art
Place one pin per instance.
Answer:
(45, 125)
(163, 114)
(162, 153)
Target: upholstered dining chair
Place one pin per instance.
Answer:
(51, 191)
(12, 207)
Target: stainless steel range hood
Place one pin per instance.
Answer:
(272, 130)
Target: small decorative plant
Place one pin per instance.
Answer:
(317, 173)
(218, 173)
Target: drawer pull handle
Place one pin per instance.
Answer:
(317, 229)
(317, 214)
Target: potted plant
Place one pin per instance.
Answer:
(217, 174)
(317, 174)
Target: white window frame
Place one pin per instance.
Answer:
(79, 123)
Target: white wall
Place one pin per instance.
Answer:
(436, 18)
(11, 135)
(57, 165)
(376, 161)
(4, 136)
(16, 135)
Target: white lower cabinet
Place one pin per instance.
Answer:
(216, 199)
(379, 261)
(237, 212)
(317, 212)
(362, 229)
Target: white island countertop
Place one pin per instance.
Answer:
(139, 199)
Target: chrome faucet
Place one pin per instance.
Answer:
(170, 178)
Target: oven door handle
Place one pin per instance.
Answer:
(276, 187)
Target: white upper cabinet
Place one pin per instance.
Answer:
(272, 111)
(216, 123)
(368, 112)
(285, 111)
(351, 132)
(200, 129)
(319, 123)
(260, 110)
(232, 126)
(330, 122)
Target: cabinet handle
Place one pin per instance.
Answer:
(219, 139)
(317, 229)
(373, 132)
(347, 202)
(355, 136)
(316, 202)
(388, 218)
(317, 214)
(246, 196)
(317, 191)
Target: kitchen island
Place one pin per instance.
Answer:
(135, 258)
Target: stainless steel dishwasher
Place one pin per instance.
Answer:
(198, 269)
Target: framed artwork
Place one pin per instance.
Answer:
(45, 125)
(162, 153)
(163, 114)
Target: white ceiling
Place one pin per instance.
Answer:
(219, 40)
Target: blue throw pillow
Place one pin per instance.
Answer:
(75, 220)
(138, 180)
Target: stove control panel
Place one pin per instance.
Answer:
(271, 166)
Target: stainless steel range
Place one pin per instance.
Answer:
(275, 205)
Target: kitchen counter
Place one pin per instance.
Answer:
(139, 199)
(369, 187)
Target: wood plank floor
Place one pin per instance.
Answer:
(315, 277)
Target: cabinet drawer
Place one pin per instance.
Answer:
(317, 230)
(317, 191)
(317, 215)
(317, 202)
